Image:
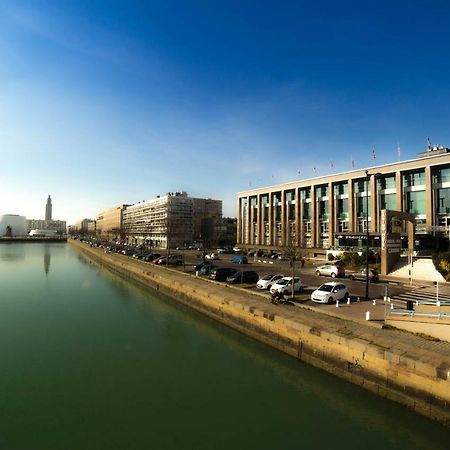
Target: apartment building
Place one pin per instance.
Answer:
(337, 209)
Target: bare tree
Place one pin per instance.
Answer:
(294, 254)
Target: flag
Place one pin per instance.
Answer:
(374, 157)
(331, 164)
(430, 147)
(315, 169)
(298, 171)
(352, 161)
(398, 151)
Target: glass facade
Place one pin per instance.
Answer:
(307, 211)
(386, 183)
(362, 207)
(321, 191)
(414, 179)
(388, 201)
(441, 175)
(359, 186)
(443, 201)
(323, 209)
(341, 189)
(342, 208)
(415, 202)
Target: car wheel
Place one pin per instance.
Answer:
(268, 287)
(330, 300)
(333, 275)
(318, 273)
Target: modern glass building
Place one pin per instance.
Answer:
(336, 210)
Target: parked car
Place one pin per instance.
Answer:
(330, 292)
(150, 257)
(171, 260)
(206, 270)
(246, 276)
(222, 273)
(283, 258)
(212, 256)
(331, 270)
(267, 281)
(204, 265)
(239, 260)
(284, 285)
(373, 275)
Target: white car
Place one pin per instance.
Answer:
(284, 285)
(267, 281)
(330, 292)
(212, 256)
(330, 270)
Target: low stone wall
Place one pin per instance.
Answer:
(396, 365)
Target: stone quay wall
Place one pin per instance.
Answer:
(394, 364)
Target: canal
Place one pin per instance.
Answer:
(91, 361)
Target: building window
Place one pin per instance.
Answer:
(386, 183)
(323, 209)
(277, 213)
(323, 227)
(443, 201)
(264, 199)
(276, 198)
(441, 175)
(414, 179)
(308, 227)
(388, 201)
(305, 193)
(359, 186)
(342, 208)
(415, 202)
(291, 212)
(341, 189)
(343, 226)
(289, 196)
(307, 211)
(321, 191)
(361, 207)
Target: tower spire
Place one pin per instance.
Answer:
(48, 209)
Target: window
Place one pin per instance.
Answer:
(323, 209)
(414, 179)
(342, 208)
(321, 191)
(386, 182)
(388, 201)
(341, 189)
(359, 186)
(443, 199)
(415, 202)
(323, 227)
(290, 196)
(305, 193)
(291, 211)
(343, 226)
(307, 211)
(308, 227)
(276, 198)
(361, 207)
(441, 175)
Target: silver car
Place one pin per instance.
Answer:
(331, 270)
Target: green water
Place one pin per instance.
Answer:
(90, 361)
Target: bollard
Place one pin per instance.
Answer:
(374, 302)
(348, 301)
(367, 315)
(389, 299)
(337, 303)
(196, 273)
(385, 298)
(358, 299)
(438, 303)
(392, 306)
(417, 302)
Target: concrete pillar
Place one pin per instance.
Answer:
(259, 225)
(270, 219)
(247, 221)
(429, 196)
(331, 214)
(314, 222)
(351, 207)
(373, 203)
(239, 222)
(284, 221)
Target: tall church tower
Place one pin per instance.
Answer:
(48, 209)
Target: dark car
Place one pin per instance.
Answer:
(222, 273)
(373, 275)
(149, 257)
(247, 276)
(199, 267)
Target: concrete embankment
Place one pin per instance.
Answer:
(397, 365)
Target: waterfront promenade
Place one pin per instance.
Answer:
(397, 365)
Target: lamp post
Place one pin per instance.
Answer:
(367, 235)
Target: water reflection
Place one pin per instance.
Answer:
(11, 252)
(47, 258)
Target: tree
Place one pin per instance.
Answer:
(293, 253)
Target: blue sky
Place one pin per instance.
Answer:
(112, 102)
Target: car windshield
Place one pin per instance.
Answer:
(283, 282)
(267, 277)
(326, 288)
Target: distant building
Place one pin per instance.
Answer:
(48, 209)
(110, 223)
(171, 220)
(13, 225)
(92, 226)
(60, 226)
(80, 227)
(226, 232)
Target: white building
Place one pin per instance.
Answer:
(13, 225)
